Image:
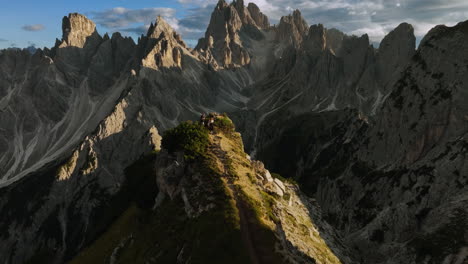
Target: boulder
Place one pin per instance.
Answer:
(280, 184)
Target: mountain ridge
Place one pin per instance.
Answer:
(260, 203)
(381, 129)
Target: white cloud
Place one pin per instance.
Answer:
(36, 27)
(122, 17)
(137, 21)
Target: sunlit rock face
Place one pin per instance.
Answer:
(58, 96)
(383, 129)
(292, 29)
(76, 29)
(164, 47)
(223, 41)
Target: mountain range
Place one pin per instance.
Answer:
(366, 146)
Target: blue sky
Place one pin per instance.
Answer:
(28, 22)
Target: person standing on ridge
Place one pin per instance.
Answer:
(203, 119)
(211, 123)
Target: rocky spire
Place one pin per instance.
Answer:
(316, 40)
(76, 29)
(292, 28)
(222, 42)
(395, 50)
(251, 15)
(164, 47)
(334, 40)
(161, 28)
(260, 19)
(242, 11)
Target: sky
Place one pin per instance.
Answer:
(38, 23)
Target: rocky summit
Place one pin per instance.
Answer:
(347, 153)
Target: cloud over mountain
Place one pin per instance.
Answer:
(137, 21)
(373, 17)
(120, 17)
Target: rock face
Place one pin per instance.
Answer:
(164, 47)
(260, 19)
(292, 29)
(222, 44)
(376, 136)
(225, 210)
(316, 40)
(76, 29)
(399, 178)
(395, 50)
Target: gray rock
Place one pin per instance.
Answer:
(395, 52)
(280, 184)
(268, 177)
(292, 29)
(260, 19)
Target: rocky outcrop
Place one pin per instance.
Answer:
(334, 39)
(316, 40)
(260, 19)
(292, 29)
(76, 29)
(164, 47)
(395, 51)
(57, 219)
(222, 44)
(70, 89)
(398, 178)
(425, 99)
(226, 208)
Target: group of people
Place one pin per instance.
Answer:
(208, 121)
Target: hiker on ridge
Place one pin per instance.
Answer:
(203, 120)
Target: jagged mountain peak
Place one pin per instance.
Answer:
(221, 4)
(222, 44)
(251, 15)
(316, 39)
(159, 27)
(164, 47)
(261, 20)
(296, 19)
(395, 50)
(76, 29)
(403, 33)
(292, 29)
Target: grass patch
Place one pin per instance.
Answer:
(251, 177)
(281, 178)
(263, 237)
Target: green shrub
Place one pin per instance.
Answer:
(191, 138)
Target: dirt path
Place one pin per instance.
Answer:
(243, 212)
